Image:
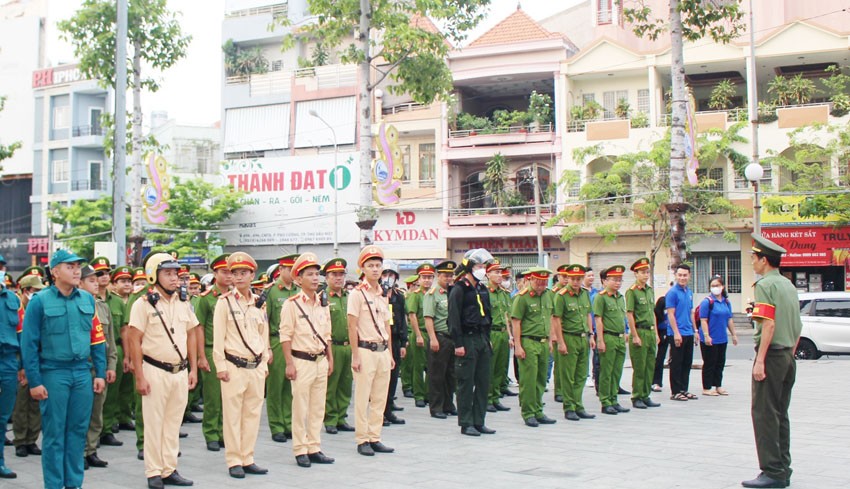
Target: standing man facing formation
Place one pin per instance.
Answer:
(640, 305)
(441, 368)
(162, 346)
(278, 386)
(10, 365)
(59, 347)
(419, 350)
(680, 334)
(241, 353)
(371, 360)
(778, 327)
(469, 323)
(500, 337)
(609, 309)
(340, 379)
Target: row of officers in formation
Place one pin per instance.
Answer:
(98, 349)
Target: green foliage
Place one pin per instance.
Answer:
(514, 118)
(6, 151)
(515, 203)
(243, 61)
(836, 85)
(801, 89)
(639, 120)
(767, 112)
(469, 122)
(84, 222)
(722, 21)
(780, 88)
(591, 110)
(622, 109)
(721, 95)
(540, 107)
(496, 178)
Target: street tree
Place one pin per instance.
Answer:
(7, 150)
(687, 20)
(390, 39)
(83, 223)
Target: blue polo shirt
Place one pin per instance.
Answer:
(718, 319)
(682, 300)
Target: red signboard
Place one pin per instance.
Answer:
(811, 246)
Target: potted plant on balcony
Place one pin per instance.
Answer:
(472, 123)
(496, 178)
(767, 112)
(837, 84)
(721, 95)
(781, 89)
(367, 216)
(801, 89)
(514, 202)
(622, 109)
(539, 109)
(640, 120)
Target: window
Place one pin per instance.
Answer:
(843, 166)
(61, 117)
(707, 265)
(610, 101)
(604, 12)
(61, 171)
(713, 174)
(277, 65)
(405, 162)
(832, 308)
(588, 97)
(525, 183)
(184, 157)
(766, 179)
(574, 181)
(427, 165)
(643, 100)
(204, 158)
(96, 175)
(472, 194)
(94, 120)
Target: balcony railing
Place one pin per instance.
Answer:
(609, 211)
(80, 131)
(271, 83)
(400, 108)
(88, 185)
(277, 11)
(543, 128)
(330, 76)
(545, 209)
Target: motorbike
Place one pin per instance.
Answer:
(749, 309)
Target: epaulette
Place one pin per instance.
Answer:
(292, 298)
(523, 292)
(563, 291)
(431, 292)
(361, 286)
(223, 296)
(204, 293)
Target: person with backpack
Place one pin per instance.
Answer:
(714, 315)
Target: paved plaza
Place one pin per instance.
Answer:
(705, 444)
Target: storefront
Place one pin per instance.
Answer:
(517, 253)
(818, 258)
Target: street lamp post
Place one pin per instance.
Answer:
(754, 173)
(335, 174)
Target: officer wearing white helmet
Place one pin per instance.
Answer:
(398, 324)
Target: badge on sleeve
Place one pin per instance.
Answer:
(97, 336)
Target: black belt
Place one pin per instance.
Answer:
(540, 339)
(173, 368)
(498, 328)
(611, 333)
(340, 343)
(310, 357)
(583, 335)
(443, 333)
(643, 326)
(372, 346)
(243, 362)
(276, 333)
(774, 348)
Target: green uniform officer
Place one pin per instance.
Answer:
(500, 306)
(419, 347)
(278, 387)
(778, 325)
(441, 373)
(530, 316)
(119, 396)
(643, 334)
(560, 283)
(340, 380)
(609, 309)
(571, 326)
(412, 283)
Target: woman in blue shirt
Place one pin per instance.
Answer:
(715, 313)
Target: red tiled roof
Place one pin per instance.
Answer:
(424, 23)
(516, 27)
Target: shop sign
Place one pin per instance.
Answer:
(512, 245)
(789, 214)
(411, 231)
(811, 246)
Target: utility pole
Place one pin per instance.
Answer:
(119, 167)
(538, 225)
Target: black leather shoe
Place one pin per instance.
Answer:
(237, 472)
(344, 427)
(320, 458)
(500, 407)
(408, 394)
(420, 404)
(379, 447)
(140, 455)
(509, 393)
(21, 451)
(469, 431)
(622, 392)
(365, 449)
(396, 408)
(638, 404)
(393, 419)
(33, 449)
(197, 408)
(386, 422)
(191, 418)
(303, 461)
(7, 442)
(451, 412)
(572, 416)
(621, 409)
(176, 479)
(763, 480)
(609, 410)
(559, 398)
(491, 408)
(585, 415)
(115, 428)
(214, 446)
(484, 430)
(128, 426)
(439, 415)
(545, 420)
(255, 469)
(155, 482)
(331, 430)
(279, 437)
(532, 422)
(184, 435)
(85, 464)
(94, 461)
(650, 403)
(110, 441)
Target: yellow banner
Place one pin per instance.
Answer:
(789, 214)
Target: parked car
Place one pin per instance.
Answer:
(826, 324)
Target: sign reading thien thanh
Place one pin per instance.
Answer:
(290, 200)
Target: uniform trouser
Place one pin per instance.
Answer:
(643, 363)
(769, 409)
(119, 397)
(441, 376)
(96, 420)
(65, 416)
(26, 418)
(406, 364)
(419, 367)
(681, 359)
(572, 371)
(532, 377)
(554, 361)
(394, 373)
(611, 369)
(370, 394)
(498, 365)
(473, 379)
(242, 405)
(713, 362)
(194, 398)
(140, 422)
(308, 404)
(8, 391)
(278, 392)
(212, 419)
(660, 357)
(163, 410)
(338, 396)
(595, 370)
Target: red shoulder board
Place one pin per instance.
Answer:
(20, 327)
(97, 336)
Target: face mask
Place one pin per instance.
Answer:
(390, 281)
(716, 290)
(479, 274)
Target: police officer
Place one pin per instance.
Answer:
(371, 360)
(778, 325)
(419, 348)
(10, 365)
(305, 335)
(609, 309)
(531, 317)
(278, 387)
(102, 269)
(241, 353)
(161, 335)
(139, 280)
(441, 370)
(26, 417)
(59, 347)
(561, 281)
(119, 395)
(340, 379)
(398, 324)
(469, 323)
(643, 334)
(411, 283)
(500, 337)
(185, 277)
(194, 288)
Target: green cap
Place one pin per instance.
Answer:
(766, 247)
(411, 279)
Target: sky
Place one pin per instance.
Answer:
(191, 90)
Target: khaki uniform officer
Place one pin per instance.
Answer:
(371, 361)
(241, 352)
(305, 337)
(640, 312)
(161, 328)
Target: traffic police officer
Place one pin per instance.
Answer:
(609, 309)
(10, 365)
(340, 379)
(778, 326)
(241, 353)
(119, 395)
(500, 337)
(278, 387)
(58, 347)
(441, 369)
(643, 334)
(419, 348)
(26, 418)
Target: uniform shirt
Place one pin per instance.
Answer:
(338, 309)
(469, 309)
(103, 319)
(414, 306)
(776, 298)
(10, 321)
(682, 300)
(435, 305)
(278, 294)
(500, 302)
(718, 320)
(57, 332)
(641, 303)
(534, 311)
(398, 316)
(178, 317)
(252, 324)
(205, 312)
(361, 301)
(611, 307)
(116, 306)
(573, 308)
(294, 326)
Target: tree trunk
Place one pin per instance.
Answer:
(137, 171)
(365, 117)
(677, 206)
